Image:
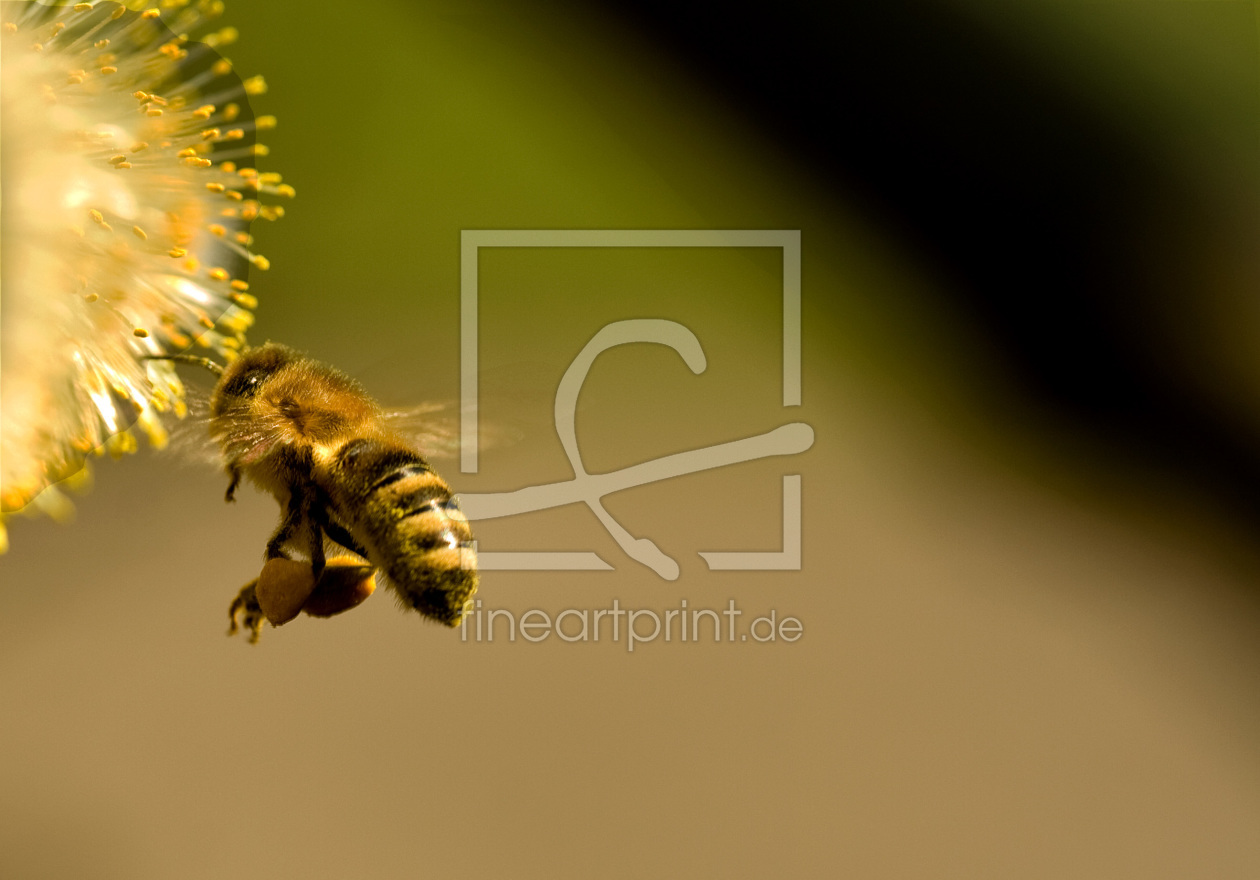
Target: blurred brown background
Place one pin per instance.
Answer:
(1029, 586)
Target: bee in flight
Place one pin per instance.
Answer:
(311, 436)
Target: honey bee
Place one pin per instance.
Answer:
(312, 437)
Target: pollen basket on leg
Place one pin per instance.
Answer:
(129, 189)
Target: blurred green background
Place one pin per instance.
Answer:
(1029, 577)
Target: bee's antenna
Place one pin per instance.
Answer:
(187, 359)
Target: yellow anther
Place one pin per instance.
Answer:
(10, 27)
(74, 80)
(285, 190)
(228, 167)
(260, 149)
(246, 300)
(186, 153)
(114, 160)
(108, 69)
(123, 165)
(97, 216)
(260, 262)
(205, 111)
(118, 13)
(211, 133)
(234, 195)
(206, 321)
(216, 229)
(151, 13)
(265, 122)
(255, 85)
(244, 238)
(215, 187)
(141, 332)
(221, 67)
(101, 44)
(58, 28)
(81, 7)
(270, 177)
(91, 297)
(218, 274)
(235, 134)
(140, 233)
(191, 265)
(177, 252)
(139, 146)
(231, 111)
(153, 111)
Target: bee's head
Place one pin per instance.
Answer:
(246, 375)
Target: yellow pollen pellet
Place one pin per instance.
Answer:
(141, 332)
(108, 69)
(215, 187)
(177, 252)
(216, 229)
(140, 233)
(218, 274)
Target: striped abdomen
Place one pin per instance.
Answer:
(404, 516)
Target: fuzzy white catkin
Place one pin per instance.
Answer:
(129, 185)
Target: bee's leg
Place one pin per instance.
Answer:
(315, 541)
(246, 607)
(336, 532)
(235, 473)
(292, 519)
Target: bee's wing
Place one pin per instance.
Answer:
(435, 428)
(189, 438)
